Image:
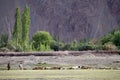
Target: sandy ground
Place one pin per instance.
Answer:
(86, 59)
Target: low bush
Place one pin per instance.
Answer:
(3, 40)
(109, 46)
(86, 46)
(4, 49)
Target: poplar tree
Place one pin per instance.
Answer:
(17, 28)
(25, 27)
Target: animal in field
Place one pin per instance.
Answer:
(38, 68)
(47, 68)
(54, 68)
(20, 66)
(74, 67)
(86, 67)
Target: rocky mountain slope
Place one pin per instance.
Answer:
(68, 19)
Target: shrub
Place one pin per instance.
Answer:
(67, 47)
(86, 46)
(116, 38)
(61, 45)
(106, 39)
(3, 40)
(54, 46)
(19, 49)
(4, 49)
(99, 47)
(41, 47)
(109, 46)
(74, 45)
(13, 47)
(42, 39)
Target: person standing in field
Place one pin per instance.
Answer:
(8, 66)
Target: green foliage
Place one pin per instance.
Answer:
(15, 44)
(107, 38)
(42, 40)
(116, 38)
(17, 28)
(54, 46)
(20, 39)
(86, 46)
(41, 47)
(31, 48)
(67, 47)
(74, 45)
(61, 45)
(113, 37)
(13, 47)
(3, 40)
(99, 47)
(109, 42)
(25, 28)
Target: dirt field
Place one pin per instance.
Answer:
(86, 59)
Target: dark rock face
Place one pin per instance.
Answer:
(68, 19)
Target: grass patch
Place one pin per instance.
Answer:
(60, 74)
(3, 67)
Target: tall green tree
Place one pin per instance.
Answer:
(25, 27)
(17, 28)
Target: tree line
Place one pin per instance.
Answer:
(43, 41)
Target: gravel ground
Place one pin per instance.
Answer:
(87, 59)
